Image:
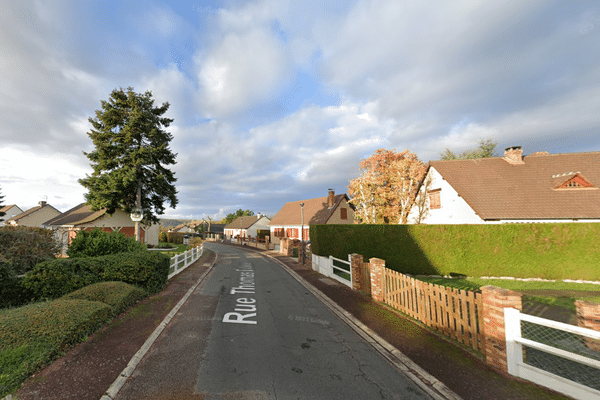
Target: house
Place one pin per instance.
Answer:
(82, 217)
(246, 226)
(34, 217)
(182, 228)
(9, 211)
(211, 230)
(332, 209)
(539, 187)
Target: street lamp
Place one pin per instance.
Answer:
(302, 230)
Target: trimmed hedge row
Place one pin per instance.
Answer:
(550, 251)
(56, 278)
(34, 335)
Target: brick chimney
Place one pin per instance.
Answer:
(42, 203)
(331, 198)
(514, 155)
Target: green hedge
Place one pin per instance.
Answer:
(34, 335)
(56, 278)
(118, 295)
(551, 251)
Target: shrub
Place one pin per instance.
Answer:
(24, 247)
(34, 335)
(53, 279)
(118, 295)
(97, 242)
(195, 241)
(12, 294)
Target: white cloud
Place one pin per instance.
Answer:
(242, 70)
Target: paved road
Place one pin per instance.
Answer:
(251, 331)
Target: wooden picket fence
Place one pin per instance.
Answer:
(457, 313)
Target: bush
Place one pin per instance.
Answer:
(97, 243)
(24, 247)
(540, 250)
(53, 279)
(12, 294)
(118, 295)
(34, 335)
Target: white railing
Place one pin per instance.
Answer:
(562, 357)
(326, 266)
(179, 262)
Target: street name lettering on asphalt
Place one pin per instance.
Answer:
(246, 305)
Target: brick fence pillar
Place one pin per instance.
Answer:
(495, 300)
(356, 261)
(283, 245)
(377, 279)
(588, 316)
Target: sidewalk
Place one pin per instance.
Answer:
(462, 371)
(88, 370)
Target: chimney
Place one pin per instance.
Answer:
(514, 155)
(42, 203)
(331, 198)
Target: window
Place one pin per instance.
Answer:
(576, 182)
(434, 199)
(343, 213)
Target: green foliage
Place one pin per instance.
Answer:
(53, 279)
(34, 335)
(24, 247)
(487, 148)
(118, 295)
(12, 293)
(131, 151)
(239, 213)
(162, 236)
(549, 251)
(97, 243)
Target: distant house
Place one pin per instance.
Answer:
(246, 226)
(182, 228)
(82, 217)
(539, 187)
(332, 209)
(34, 217)
(9, 211)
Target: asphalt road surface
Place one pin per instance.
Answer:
(251, 331)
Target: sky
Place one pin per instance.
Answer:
(276, 101)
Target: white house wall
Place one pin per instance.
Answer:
(454, 209)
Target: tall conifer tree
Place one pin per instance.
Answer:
(131, 156)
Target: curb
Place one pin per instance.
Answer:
(116, 386)
(430, 384)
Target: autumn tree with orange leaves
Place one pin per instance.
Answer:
(386, 190)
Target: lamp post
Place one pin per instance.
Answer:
(302, 230)
(241, 241)
(137, 214)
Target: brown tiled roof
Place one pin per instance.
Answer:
(316, 211)
(246, 222)
(75, 216)
(496, 189)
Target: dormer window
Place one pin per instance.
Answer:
(577, 181)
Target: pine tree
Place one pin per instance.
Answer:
(131, 156)
(2, 214)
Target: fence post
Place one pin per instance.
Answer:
(377, 279)
(514, 350)
(495, 300)
(588, 316)
(356, 261)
